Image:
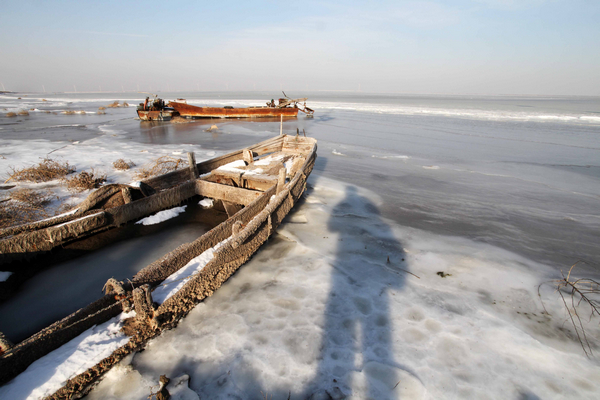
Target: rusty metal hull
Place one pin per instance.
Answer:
(162, 115)
(186, 110)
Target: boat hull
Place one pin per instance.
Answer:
(186, 110)
(239, 237)
(162, 115)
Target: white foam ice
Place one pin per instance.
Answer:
(162, 216)
(348, 304)
(480, 114)
(206, 203)
(46, 375)
(177, 280)
(234, 166)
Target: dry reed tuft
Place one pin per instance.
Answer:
(578, 296)
(23, 112)
(160, 166)
(125, 104)
(45, 171)
(32, 197)
(81, 112)
(180, 120)
(44, 100)
(11, 114)
(114, 104)
(70, 112)
(23, 206)
(101, 108)
(84, 181)
(101, 113)
(122, 165)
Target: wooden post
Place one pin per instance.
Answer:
(281, 180)
(126, 195)
(248, 157)
(142, 300)
(281, 126)
(5, 344)
(193, 167)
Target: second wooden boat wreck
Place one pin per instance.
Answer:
(286, 107)
(258, 187)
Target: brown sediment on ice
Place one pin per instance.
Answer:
(258, 219)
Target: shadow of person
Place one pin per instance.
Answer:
(356, 355)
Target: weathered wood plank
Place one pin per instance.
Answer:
(226, 193)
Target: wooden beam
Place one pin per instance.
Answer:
(192, 165)
(225, 193)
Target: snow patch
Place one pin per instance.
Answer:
(162, 216)
(49, 373)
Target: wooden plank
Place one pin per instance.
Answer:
(231, 208)
(225, 193)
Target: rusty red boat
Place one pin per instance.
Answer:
(285, 107)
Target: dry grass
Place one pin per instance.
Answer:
(84, 181)
(11, 114)
(81, 112)
(70, 112)
(114, 104)
(180, 120)
(101, 113)
(579, 296)
(160, 166)
(44, 100)
(125, 104)
(24, 206)
(123, 165)
(45, 171)
(102, 108)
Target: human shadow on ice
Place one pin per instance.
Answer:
(356, 355)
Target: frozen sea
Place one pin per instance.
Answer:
(496, 194)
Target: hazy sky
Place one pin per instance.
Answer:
(458, 47)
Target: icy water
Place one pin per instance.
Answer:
(499, 192)
(518, 172)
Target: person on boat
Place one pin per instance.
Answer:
(146, 103)
(271, 104)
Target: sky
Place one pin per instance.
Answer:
(528, 47)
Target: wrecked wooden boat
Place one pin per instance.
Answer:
(155, 110)
(258, 186)
(286, 107)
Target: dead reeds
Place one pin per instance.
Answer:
(114, 104)
(101, 108)
(578, 296)
(160, 166)
(69, 112)
(24, 206)
(11, 114)
(84, 181)
(125, 104)
(123, 165)
(45, 171)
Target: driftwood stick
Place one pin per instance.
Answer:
(193, 166)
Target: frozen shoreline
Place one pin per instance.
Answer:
(320, 301)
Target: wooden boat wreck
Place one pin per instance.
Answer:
(155, 110)
(258, 186)
(285, 108)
